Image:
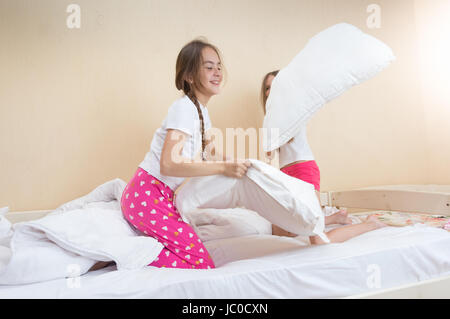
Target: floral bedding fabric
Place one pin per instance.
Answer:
(406, 219)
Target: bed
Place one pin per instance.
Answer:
(410, 261)
(392, 262)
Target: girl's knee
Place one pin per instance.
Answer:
(316, 240)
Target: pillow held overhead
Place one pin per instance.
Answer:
(331, 62)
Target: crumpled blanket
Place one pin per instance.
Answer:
(72, 238)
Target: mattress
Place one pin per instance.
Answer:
(267, 266)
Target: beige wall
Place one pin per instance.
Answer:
(78, 107)
(433, 33)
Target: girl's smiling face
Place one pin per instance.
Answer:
(210, 73)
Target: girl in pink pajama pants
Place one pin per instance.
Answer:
(148, 200)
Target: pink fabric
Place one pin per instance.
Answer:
(306, 171)
(447, 226)
(148, 204)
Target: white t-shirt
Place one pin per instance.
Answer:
(183, 116)
(297, 150)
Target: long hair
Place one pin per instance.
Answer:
(264, 88)
(187, 76)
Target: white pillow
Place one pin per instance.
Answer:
(224, 251)
(212, 224)
(283, 200)
(331, 62)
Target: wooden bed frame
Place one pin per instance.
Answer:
(429, 199)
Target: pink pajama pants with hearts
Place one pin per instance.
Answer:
(148, 204)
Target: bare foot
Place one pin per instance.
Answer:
(341, 217)
(375, 222)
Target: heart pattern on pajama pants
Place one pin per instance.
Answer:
(148, 204)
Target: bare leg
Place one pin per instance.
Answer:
(344, 233)
(341, 217)
(100, 265)
(277, 231)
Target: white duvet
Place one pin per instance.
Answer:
(70, 240)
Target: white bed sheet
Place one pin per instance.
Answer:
(275, 267)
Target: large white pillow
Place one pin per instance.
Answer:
(331, 62)
(285, 201)
(224, 251)
(213, 224)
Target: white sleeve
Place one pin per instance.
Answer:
(207, 120)
(182, 116)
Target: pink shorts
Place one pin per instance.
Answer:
(306, 171)
(148, 204)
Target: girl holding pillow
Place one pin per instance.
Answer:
(177, 151)
(297, 160)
